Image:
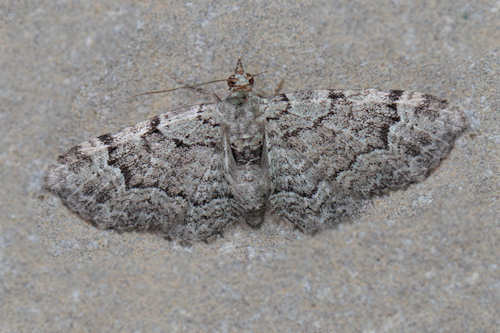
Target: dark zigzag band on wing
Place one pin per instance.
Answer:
(161, 175)
(372, 142)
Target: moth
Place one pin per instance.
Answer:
(309, 157)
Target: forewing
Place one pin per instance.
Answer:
(161, 175)
(329, 149)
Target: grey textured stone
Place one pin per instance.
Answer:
(420, 260)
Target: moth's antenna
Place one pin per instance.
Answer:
(183, 87)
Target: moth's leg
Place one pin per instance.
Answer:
(205, 92)
(228, 162)
(279, 87)
(275, 92)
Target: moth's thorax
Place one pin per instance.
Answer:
(246, 132)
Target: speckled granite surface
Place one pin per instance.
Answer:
(421, 260)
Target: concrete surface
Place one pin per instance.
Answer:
(421, 260)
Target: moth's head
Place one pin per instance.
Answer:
(240, 81)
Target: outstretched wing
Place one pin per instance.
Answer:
(329, 149)
(161, 175)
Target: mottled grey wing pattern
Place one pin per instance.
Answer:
(161, 175)
(330, 149)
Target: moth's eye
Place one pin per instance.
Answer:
(250, 79)
(231, 81)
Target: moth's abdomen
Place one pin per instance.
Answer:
(251, 187)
